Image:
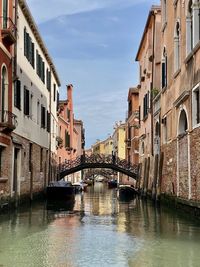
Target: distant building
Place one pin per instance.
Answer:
(71, 139)
(132, 125)
(119, 140)
(98, 147)
(108, 146)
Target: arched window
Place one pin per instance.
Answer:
(177, 46)
(183, 124)
(189, 28)
(4, 92)
(192, 24)
(164, 68)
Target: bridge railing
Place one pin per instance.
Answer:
(98, 158)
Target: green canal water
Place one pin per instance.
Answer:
(98, 231)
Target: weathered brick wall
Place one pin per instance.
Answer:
(39, 169)
(183, 167)
(6, 172)
(195, 163)
(169, 184)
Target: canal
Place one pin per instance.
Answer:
(98, 231)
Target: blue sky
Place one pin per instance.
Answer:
(93, 44)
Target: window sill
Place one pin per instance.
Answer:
(176, 73)
(145, 118)
(164, 89)
(3, 180)
(180, 136)
(192, 53)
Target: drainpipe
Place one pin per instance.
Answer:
(14, 74)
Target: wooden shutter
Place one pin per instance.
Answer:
(5, 13)
(33, 55)
(26, 101)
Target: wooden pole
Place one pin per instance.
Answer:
(160, 175)
(155, 176)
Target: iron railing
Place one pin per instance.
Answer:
(7, 24)
(8, 119)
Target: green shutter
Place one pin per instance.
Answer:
(5, 13)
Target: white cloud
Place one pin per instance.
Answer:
(50, 9)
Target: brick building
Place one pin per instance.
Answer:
(8, 121)
(180, 100)
(132, 124)
(148, 56)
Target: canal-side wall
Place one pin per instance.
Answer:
(32, 172)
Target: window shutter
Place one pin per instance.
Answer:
(166, 71)
(33, 55)
(139, 115)
(25, 43)
(26, 101)
(163, 74)
(58, 98)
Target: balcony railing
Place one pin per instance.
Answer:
(134, 113)
(8, 30)
(8, 121)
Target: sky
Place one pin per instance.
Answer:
(93, 44)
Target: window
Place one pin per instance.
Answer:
(54, 92)
(192, 25)
(58, 98)
(68, 115)
(196, 105)
(26, 102)
(145, 105)
(67, 139)
(4, 92)
(29, 48)
(38, 112)
(164, 69)
(183, 125)
(48, 122)
(48, 81)
(164, 123)
(40, 67)
(43, 117)
(177, 47)
(5, 13)
(17, 94)
(164, 12)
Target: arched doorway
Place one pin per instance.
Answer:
(183, 149)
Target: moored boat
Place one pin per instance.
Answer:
(60, 190)
(127, 192)
(112, 183)
(80, 186)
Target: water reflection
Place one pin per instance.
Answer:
(98, 230)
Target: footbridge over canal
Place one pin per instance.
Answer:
(96, 161)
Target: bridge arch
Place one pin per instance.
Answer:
(96, 161)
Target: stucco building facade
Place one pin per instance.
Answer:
(149, 66)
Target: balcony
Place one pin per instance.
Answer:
(59, 141)
(8, 31)
(8, 121)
